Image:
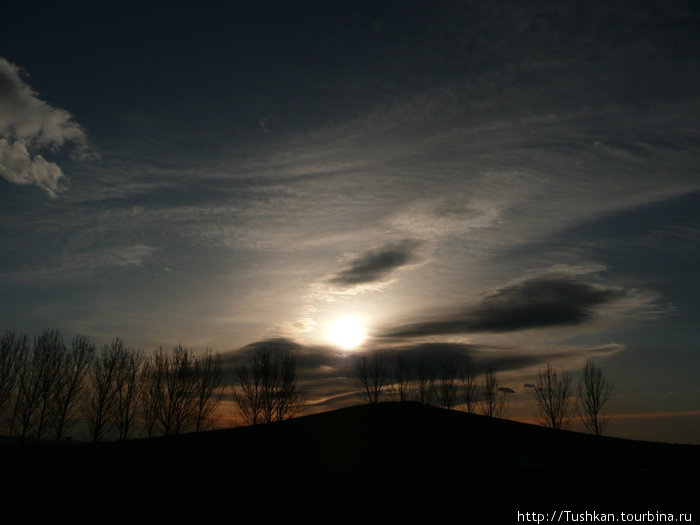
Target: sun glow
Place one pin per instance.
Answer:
(347, 333)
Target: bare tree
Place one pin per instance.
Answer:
(470, 390)
(36, 377)
(593, 393)
(400, 388)
(149, 395)
(126, 390)
(161, 397)
(493, 399)
(27, 397)
(49, 355)
(371, 377)
(43, 385)
(207, 369)
(249, 393)
(268, 363)
(552, 394)
(267, 387)
(290, 399)
(447, 390)
(183, 386)
(102, 388)
(425, 387)
(174, 388)
(13, 349)
(26, 392)
(70, 383)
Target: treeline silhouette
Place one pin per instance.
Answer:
(115, 392)
(47, 387)
(448, 385)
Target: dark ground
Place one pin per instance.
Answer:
(385, 463)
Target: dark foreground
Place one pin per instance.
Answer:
(387, 463)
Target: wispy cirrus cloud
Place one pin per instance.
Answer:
(86, 266)
(28, 125)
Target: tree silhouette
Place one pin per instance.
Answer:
(180, 383)
(24, 396)
(267, 387)
(552, 395)
(289, 398)
(149, 395)
(49, 355)
(13, 350)
(45, 388)
(207, 369)
(173, 388)
(70, 383)
(249, 393)
(27, 397)
(447, 389)
(127, 389)
(493, 400)
(271, 383)
(401, 381)
(371, 376)
(162, 389)
(102, 391)
(425, 387)
(36, 380)
(593, 393)
(470, 390)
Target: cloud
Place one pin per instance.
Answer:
(535, 302)
(327, 374)
(434, 354)
(545, 301)
(506, 390)
(309, 358)
(375, 265)
(93, 263)
(98, 263)
(17, 165)
(276, 344)
(483, 356)
(27, 124)
(134, 255)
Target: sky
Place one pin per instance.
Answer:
(511, 182)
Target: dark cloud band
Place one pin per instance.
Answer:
(534, 303)
(376, 265)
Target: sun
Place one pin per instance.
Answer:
(347, 333)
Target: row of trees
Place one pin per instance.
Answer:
(554, 397)
(48, 387)
(267, 387)
(451, 386)
(455, 386)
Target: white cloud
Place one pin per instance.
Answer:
(28, 124)
(17, 165)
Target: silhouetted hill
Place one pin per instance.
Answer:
(388, 463)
